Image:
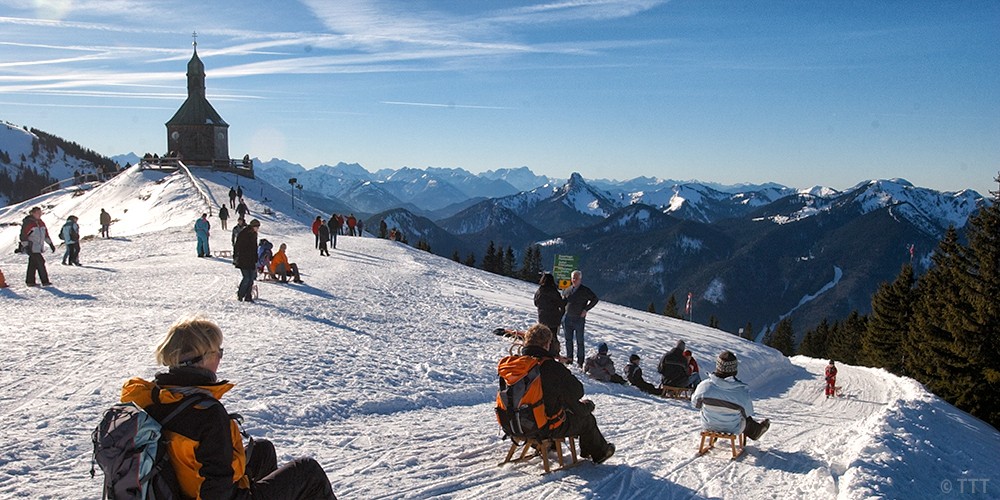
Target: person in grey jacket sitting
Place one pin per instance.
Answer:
(600, 367)
(725, 401)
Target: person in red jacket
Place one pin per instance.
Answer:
(694, 376)
(831, 379)
(315, 228)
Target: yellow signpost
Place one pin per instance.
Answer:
(563, 268)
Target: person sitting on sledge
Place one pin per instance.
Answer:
(566, 412)
(694, 374)
(264, 256)
(601, 367)
(673, 368)
(282, 269)
(725, 402)
(204, 442)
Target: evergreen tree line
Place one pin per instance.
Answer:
(51, 143)
(27, 184)
(498, 260)
(941, 328)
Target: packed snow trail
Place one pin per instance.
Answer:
(382, 365)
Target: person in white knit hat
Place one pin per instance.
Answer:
(725, 401)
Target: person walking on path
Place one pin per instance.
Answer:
(242, 210)
(105, 224)
(245, 259)
(232, 197)
(201, 230)
(34, 237)
(579, 299)
(223, 216)
(70, 234)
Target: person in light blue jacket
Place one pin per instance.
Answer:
(725, 401)
(201, 228)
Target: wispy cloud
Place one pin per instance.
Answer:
(439, 105)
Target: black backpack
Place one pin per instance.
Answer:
(131, 450)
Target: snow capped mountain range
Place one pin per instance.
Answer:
(382, 367)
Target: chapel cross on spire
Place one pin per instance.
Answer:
(194, 37)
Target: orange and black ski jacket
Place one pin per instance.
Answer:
(206, 449)
(561, 391)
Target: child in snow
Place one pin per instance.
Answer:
(600, 367)
(831, 380)
(634, 374)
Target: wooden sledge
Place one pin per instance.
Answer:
(713, 436)
(224, 253)
(677, 392)
(542, 448)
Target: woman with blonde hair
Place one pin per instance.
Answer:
(205, 444)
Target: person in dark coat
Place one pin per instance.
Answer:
(634, 374)
(673, 367)
(241, 209)
(223, 216)
(245, 258)
(561, 391)
(323, 232)
(333, 228)
(579, 300)
(232, 197)
(551, 308)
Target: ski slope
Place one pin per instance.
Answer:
(382, 365)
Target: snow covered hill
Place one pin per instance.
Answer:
(382, 366)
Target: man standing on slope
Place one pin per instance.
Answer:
(725, 401)
(201, 229)
(34, 236)
(245, 258)
(579, 300)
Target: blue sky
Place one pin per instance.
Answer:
(801, 93)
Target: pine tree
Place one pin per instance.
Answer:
(490, 259)
(470, 260)
(508, 263)
(455, 257)
(844, 340)
(651, 308)
(782, 338)
(748, 331)
(814, 344)
(713, 322)
(889, 322)
(978, 323)
(671, 308)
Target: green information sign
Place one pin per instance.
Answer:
(563, 268)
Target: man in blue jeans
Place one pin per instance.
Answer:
(579, 300)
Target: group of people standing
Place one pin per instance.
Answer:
(34, 238)
(567, 307)
(326, 231)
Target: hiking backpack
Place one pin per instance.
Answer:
(520, 406)
(131, 450)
